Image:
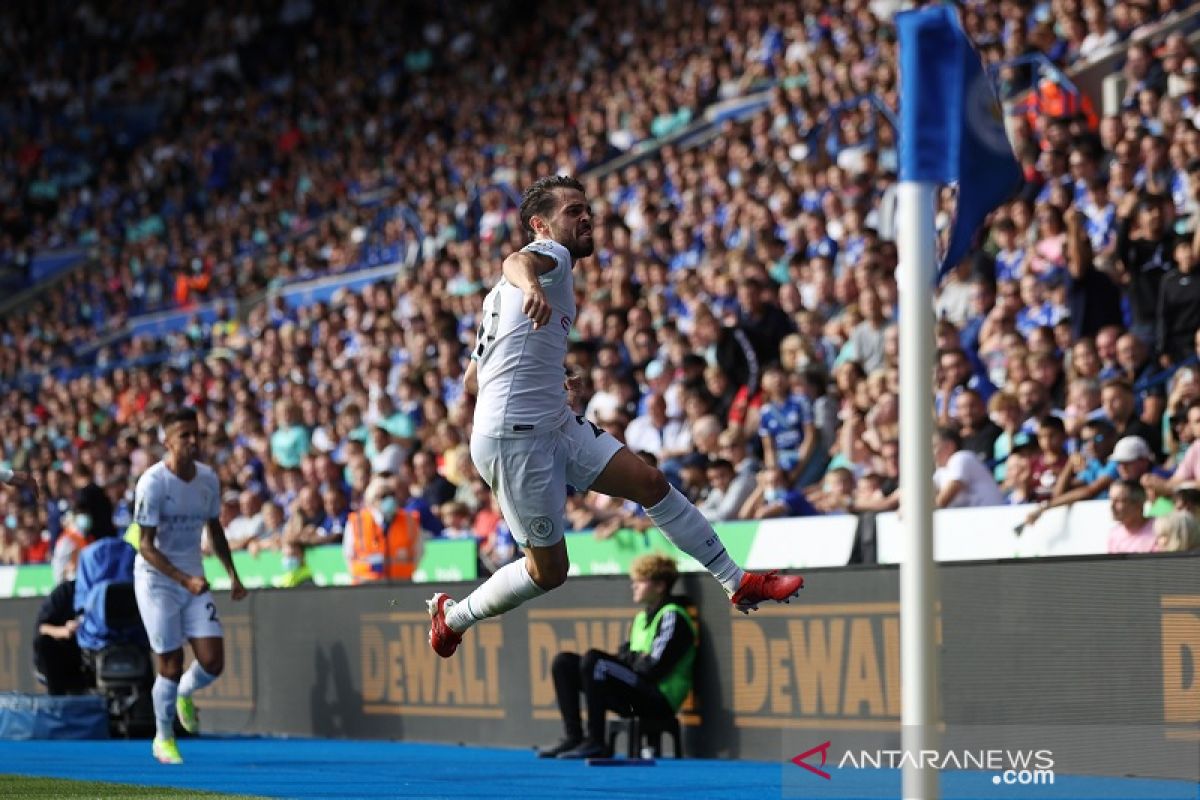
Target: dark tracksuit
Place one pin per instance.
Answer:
(625, 682)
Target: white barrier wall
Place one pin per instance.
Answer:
(803, 542)
(973, 534)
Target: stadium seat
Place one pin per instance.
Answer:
(645, 731)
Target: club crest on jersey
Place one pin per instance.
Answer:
(541, 527)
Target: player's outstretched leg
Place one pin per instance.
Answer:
(542, 569)
(629, 477)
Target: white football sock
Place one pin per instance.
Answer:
(195, 679)
(508, 587)
(686, 527)
(163, 694)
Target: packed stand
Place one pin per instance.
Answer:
(208, 152)
(737, 324)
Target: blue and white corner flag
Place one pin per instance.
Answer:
(951, 125)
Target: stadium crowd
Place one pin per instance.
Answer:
(737, 323)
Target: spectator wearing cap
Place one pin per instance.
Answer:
(1133, 532)
(961, 479)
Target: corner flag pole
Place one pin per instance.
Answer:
(951, 130)
(918, 653)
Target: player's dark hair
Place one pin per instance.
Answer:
(538, 200)
(183, 414)
(948, 434)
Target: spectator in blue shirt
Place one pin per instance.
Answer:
(785, 426)
(1091, 471)
(773, 498)
(954, 375)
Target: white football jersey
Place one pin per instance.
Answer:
(179, 510)
(521, 370)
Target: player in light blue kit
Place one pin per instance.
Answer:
(528, 445)
(175, 499)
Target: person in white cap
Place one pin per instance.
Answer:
(1128, 459)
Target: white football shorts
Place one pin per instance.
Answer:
(171, 614)
(529, 475)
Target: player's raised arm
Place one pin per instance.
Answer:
(220, 545)
(522, 269)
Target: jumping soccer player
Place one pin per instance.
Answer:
(528, 445)
(174, 501)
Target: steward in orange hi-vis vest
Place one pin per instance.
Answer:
(377, 554)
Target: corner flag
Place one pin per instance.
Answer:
(951, 125)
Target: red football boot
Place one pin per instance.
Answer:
(442, 637)
(758, 587)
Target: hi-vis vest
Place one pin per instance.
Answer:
(377, 557)
(678, 682)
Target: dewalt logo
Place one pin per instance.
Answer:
(829, 667)
(402, 675)
(1181, 665)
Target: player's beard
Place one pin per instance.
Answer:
(579, 246)
(582, 247)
